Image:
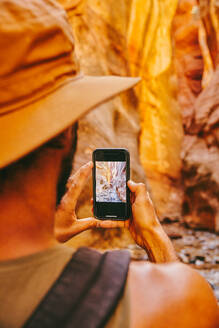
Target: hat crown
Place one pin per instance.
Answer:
(37, 50)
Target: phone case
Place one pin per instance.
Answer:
(124, 210)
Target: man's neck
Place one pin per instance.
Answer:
(28, 203)
(26, 227)
(27, 210)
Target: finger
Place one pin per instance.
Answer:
(112, 224)
(91, 201)
(78, 180)
(136, 188)
(142, 205)
(139, 190)
(132, 185)
(82, 173)
(64, 234)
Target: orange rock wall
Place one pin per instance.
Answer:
(114, 37)
(173, 46)
(150, 56)
(196, 36)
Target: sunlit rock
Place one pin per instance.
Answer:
(150, 56)
(188, 57)
(101, 47)
(196, 40)
(173, 46)
(132, 38)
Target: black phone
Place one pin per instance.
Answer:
(111, 195)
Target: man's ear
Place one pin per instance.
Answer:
(62, 141)
(68, 140)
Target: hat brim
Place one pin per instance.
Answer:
(26, 129)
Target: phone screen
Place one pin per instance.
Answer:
(110, 191)
(111, 182)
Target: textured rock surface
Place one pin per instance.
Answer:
(133, 37)
(101, 50)
(102, 29)
(201, 158)
(196, 42)
(188, 57)
(113, 37)
(150, 56)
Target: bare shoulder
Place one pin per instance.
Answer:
(170, 295)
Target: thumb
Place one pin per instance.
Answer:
(142, 207)
(77, 181)
(63, 234)
(139, 190)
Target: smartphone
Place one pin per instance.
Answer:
(111, 196)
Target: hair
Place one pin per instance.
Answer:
(22, 165)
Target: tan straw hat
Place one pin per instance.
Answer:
(41, 89)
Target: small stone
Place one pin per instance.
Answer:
(174, 235)
(189, 240)
(212, 245)
(208, 259)
(200, 257)
(184, 258)
(192, 259)
(216, 259)
(139, 255)
(199, 263)
(132, 246)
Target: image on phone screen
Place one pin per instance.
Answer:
(111, 181)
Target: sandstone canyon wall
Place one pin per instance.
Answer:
(150, 56)
(196, 36)
(169, 122)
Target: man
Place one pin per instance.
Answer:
(41, 96)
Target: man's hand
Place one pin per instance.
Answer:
(66, 223)
(144, 219)
(144, 225)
